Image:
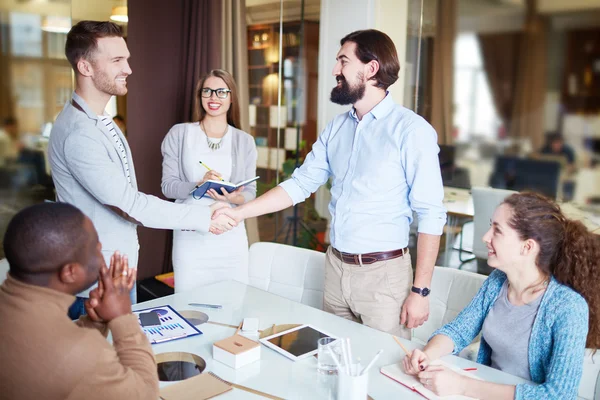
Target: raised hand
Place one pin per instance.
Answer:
(120, 272)
(111, 298)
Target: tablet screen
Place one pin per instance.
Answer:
(299, 342)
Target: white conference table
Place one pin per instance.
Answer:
(274, 373)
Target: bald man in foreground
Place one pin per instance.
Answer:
(54, 253)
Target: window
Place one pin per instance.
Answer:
(475, 114)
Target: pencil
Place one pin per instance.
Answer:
(401, 345)
(210, 169)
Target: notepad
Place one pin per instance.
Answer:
(396, 372)
(200, 387)
(201, 190)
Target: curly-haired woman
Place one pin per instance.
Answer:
(536, 312)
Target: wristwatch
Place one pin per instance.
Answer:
(423, 292)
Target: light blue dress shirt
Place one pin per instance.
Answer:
(384, 167)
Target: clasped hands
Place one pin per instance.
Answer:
(110, 299)
(224, 218)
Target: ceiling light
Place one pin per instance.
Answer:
(119, 14)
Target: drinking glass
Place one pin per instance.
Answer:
(325, 363)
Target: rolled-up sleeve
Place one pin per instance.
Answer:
(313, 173)
(423, 176)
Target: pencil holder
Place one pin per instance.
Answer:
(352, 387)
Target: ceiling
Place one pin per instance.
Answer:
(99, 10)
(474, 15)
(267, 11)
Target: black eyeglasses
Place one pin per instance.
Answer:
(221, 93)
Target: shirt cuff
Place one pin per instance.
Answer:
(124, 326)
(293, 190)
(432, 226)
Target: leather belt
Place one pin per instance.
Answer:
(368, 258)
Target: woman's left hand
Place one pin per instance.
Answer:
(442, 381)
(234, 197)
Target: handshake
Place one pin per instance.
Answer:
(224, 218)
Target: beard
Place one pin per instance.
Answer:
(106, 84)
(345, 94)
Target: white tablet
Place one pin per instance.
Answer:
(296, 343)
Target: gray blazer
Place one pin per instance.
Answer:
(89, 173)
(175, 183)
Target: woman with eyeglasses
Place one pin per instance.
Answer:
(537, 312)
(213, 148)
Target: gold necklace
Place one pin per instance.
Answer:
(212, 145)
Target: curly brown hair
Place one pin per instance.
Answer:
(568, 251)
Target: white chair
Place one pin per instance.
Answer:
(589, 387)
(292, 272)
(451, 291)
(485, 201)
(3, 269)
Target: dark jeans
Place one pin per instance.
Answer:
(77, 309)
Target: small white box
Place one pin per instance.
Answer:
(236, 351)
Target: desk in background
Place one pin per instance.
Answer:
(460, 209)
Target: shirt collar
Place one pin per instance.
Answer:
(380, 110)
(83, 106)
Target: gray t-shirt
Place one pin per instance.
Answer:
(507, 329)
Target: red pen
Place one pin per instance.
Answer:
(469, 369)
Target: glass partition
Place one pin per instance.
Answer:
(36, 80)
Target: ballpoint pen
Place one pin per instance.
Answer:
(206, 305)
(210, 169)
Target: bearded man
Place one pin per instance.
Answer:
(384, 164)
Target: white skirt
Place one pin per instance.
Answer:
(202, 259)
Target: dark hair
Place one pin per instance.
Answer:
(82, 39)
(119, 117)
(233, 114)
(372, 44)
(42, 238)
(553, 137)
(568, 251)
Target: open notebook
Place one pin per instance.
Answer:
(201, 190)
(396, 372)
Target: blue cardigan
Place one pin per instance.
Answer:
(556, 345)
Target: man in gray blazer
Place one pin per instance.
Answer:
(91, 161)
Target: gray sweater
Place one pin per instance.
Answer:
(175, 183)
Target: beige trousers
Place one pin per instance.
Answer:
(372, 294)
